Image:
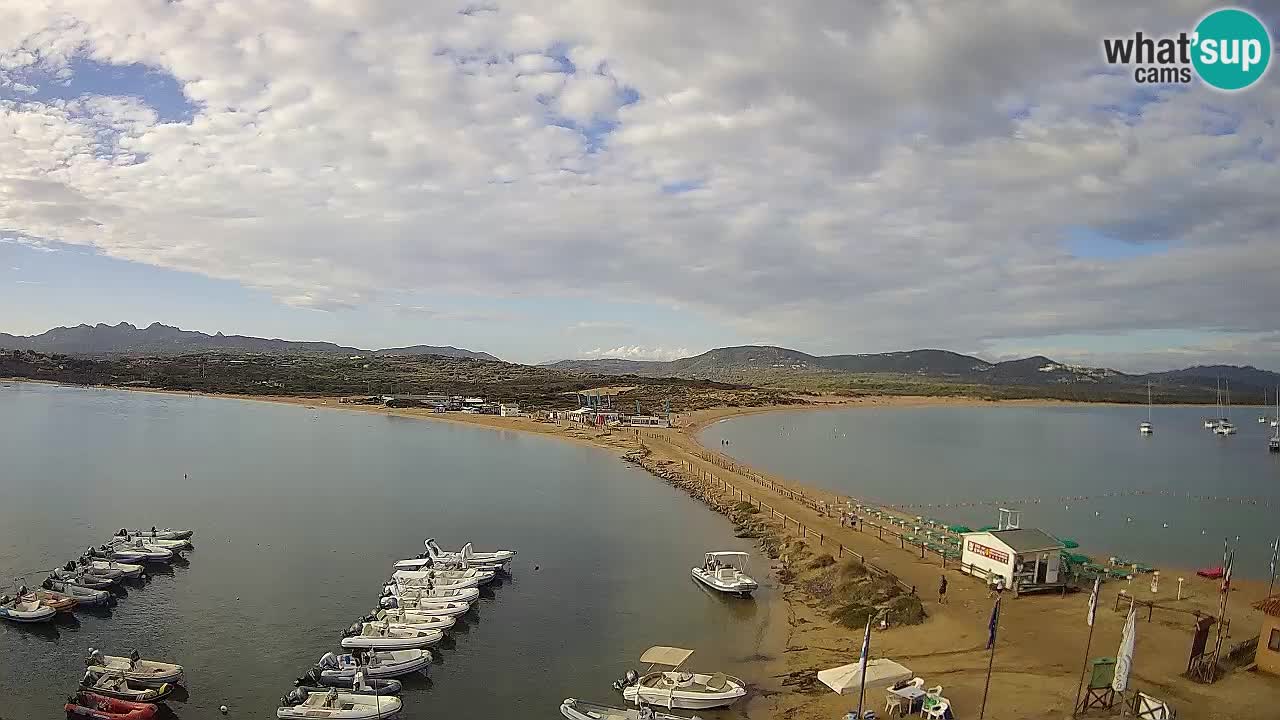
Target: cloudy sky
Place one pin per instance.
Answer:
(639, 179)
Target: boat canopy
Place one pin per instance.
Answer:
(663, 655)
(737, 559)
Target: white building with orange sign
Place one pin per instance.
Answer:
(1026, 560)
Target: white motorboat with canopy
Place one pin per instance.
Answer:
(726, 572)
(385, 636)
(676, 688)
(380, 664)
(347, 706)
(144, 673)
(575, 709)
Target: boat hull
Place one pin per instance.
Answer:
(144, 673)
(579, 710)
(39, 614)
(742, 586)
(685, 699)
(351, 706)
(410, 661)
(101, 707)
(419, 641)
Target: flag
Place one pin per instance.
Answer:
(1124, 658)
(866, 644)
(1275, 549)
(1093, 599)
(994, 624)
(1226, 573)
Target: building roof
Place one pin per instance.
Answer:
(1028, 540)
(1270, 606)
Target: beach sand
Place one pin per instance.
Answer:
(1041, 645)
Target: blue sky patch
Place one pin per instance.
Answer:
(1087, 243)
(86, 77)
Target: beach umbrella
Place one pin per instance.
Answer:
(881, 672)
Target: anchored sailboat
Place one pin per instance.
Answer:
(1224, 426)
(1146, 427)
(1274, 443)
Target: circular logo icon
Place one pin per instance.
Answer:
(1232, 49)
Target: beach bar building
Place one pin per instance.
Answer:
(1025, 559)
(1268, 657)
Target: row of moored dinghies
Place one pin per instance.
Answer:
(418, 605)
(88, 581)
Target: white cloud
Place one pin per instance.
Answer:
(635, 352)
(882, 175)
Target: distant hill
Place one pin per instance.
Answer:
(158, 339)
(775, 366)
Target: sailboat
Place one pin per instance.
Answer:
(1212, 423)
(1263, 417)
(1274, 443)
(1224, 426)
(1145, 428)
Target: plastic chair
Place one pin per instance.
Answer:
(918, 682)
(892, 705)
(939, 710)
(935, 691)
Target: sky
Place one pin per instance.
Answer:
(593, 178)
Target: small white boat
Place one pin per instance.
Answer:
(380, 664)
(132, 553)
(411, 619)
(111, 568)
(119, 539)
(21, 610)
(1224, 427)
(1146, 428)
(334, 704)
(578, 710)
(442, 578)
(424, 592)
(425, 609)
(84, 597)
(726, 572)
(84, 578)
(1209, 423)
(468, 554)
(385, 636)
(162, 534)
(675, 688)
(143, 673)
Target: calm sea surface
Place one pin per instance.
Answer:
(956, 455)
(299, 514)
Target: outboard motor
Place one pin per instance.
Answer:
(328, 662)
(311, 678)
(354, 629)
(388, 603)
(295, 697)
(69, 567)
(631, 678)
(48, 583)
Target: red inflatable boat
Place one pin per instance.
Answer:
(101, 707)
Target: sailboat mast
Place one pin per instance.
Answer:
(1148, 401)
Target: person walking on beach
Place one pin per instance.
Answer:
(942, 591)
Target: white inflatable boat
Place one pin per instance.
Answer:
(443, 578)
(380, 664)
(334, 704)
(385, 636)
(418, 621)
(468, 554)
(676, 688)
(579, 710)
(21, 610)
(145, 673)
(726, 572)
(163, 534)
(110, 568)
(432, 594)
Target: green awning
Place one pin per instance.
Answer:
(959, 528)
(1070, 543)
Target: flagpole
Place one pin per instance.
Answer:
(1275, 550)
(866, 658)
(1084, 668)
(995, 623)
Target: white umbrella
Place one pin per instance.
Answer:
(881, 672)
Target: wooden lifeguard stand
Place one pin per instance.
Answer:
(1098, 694)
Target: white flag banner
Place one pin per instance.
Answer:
(1093, 599)
(1124, 658)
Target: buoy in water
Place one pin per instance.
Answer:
(1128, 519)
(1166, 524)
(222, 709)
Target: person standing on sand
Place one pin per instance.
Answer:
(942, 591)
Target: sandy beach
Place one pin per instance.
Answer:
(1041, 644)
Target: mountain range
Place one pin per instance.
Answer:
(158, 339)
(736, 364)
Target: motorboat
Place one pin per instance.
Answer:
(143, 673)
(676, 688)
(84, 597)
(313, 682)
(425, 562)
(377, 664)
(100, 707)
(84, 579)
(411, 620)
(117, 686)
(50, 598)
(110, 568)
(21, 610)
(1224, 427)
(578, 710)
(468, 554)
(151, 552)
(126, 539)
(431, 594)
(385, 636)
(1146, 428)
(442, 578)
(423, 611)
(164, 534)
(335, 704)
(726, 572)
(134, 553)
